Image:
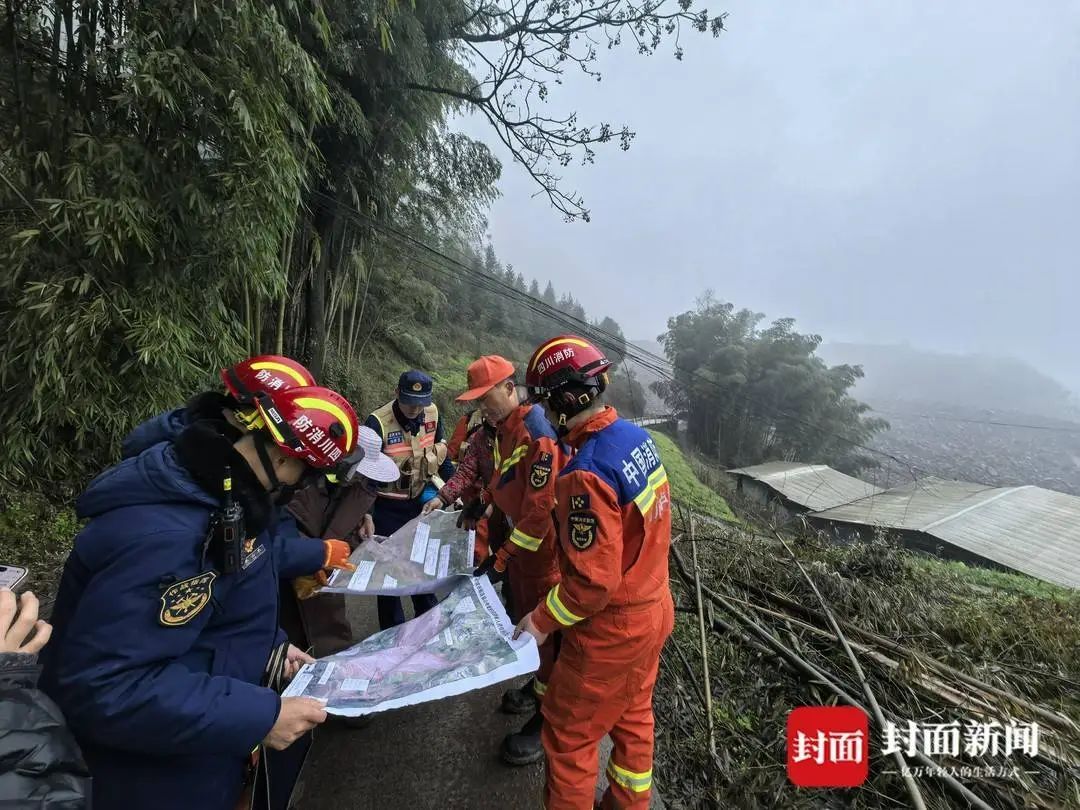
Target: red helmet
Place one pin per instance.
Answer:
(311, 423)
(562, 360)
(267, 373)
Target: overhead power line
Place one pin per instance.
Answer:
(439, 261)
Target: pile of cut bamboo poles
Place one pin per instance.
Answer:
(880, 675)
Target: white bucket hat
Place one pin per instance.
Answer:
(372, 463)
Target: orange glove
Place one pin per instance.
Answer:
(337, 555)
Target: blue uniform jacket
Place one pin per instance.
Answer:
(161, 428)
(298, 554)
(164, 698)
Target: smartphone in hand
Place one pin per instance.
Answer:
(12, 576)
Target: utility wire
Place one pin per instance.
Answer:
(445, 264)
(439, 262)
(30, 49)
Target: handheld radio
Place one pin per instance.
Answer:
(227, 531)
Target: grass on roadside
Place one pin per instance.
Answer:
(685, 486)
(36, 534)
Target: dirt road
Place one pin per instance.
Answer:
(442, 755)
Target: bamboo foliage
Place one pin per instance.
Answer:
(157, 154)
(182, 182)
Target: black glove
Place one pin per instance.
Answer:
(488, 567)
(472, 512)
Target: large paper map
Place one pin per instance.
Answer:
(425, 555)
(461, 644)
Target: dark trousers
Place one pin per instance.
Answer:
(389, 516)
(391, 612)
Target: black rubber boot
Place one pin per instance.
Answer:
(524, 747)
(520, 701)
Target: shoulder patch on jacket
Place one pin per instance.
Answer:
(579, 502)
(541, 471)
(182, 601)
(582, 529)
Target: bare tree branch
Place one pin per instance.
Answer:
(521, 47)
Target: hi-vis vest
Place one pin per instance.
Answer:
(417, 456)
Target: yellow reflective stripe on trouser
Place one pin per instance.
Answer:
(539, 688)
(514, 458)
(526, 541)
(559, 610)
(647, 497)
(636, 782)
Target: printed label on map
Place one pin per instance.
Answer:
(420, 543)
(327, 673)
(444, 560)
(362, 575)
(466, 605)
(432, 561)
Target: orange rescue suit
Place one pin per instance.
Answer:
(614, 608)
(527, 459)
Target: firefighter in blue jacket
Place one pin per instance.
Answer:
(165, 626)
(233, 414)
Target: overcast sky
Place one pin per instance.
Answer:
(881, 171)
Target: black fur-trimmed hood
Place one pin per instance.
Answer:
(204, 452)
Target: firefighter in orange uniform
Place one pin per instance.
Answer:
(522, 486)
(613, 604)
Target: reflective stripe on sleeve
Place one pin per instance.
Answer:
(562, 615)
(526, 541)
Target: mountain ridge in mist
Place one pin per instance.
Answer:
(900, 373)
(897, 372)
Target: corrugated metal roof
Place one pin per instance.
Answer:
(1028, 529)
(911, 506)
(814, 486)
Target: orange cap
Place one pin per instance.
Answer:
(484, 374)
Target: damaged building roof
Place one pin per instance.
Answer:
(1027, 528)
(812, 486)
